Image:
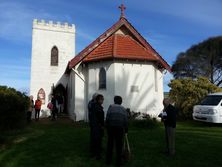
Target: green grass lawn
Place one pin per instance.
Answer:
(67, 145)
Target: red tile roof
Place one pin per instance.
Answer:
(120, 46)
(107, 36)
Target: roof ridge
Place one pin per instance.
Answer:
(144, 48)
(109, 32)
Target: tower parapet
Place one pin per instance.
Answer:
(53, 27)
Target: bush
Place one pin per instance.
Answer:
(186, 92)
(13, 108)
(145, 124)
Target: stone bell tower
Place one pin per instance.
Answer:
(53, 45)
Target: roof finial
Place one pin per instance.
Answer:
(122, 8)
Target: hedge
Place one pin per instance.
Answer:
(13, 108)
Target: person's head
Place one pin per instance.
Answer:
(31, 97)
(39, 98)
(118, 100)
(94, 96)
(166, 102)
(99, 98)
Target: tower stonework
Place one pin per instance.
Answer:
(53, 45)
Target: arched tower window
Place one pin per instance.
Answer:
(54, 56)
(102, 78)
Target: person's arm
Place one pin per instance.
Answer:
(171, 111)
(108, 114)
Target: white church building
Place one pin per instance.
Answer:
(119, 62)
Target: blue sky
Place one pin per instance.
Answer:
(169, 26)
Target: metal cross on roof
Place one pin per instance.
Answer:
(122, 8)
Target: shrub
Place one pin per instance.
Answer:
(145, 124)
(186, 92)
(130, 116)
(13, 108)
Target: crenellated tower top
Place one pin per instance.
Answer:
(53, 27)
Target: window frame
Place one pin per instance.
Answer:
(102, 79)
(55, 56)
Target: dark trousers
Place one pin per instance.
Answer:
(170, 139)
(91, 138)
(37, 111)
(97, 147)
(53, 114)
(115, 134)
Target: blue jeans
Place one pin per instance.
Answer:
(53, 114)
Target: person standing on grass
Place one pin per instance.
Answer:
(90, 108)
(116, 121)
(60, 103)
(97, 123)
(53, 101)
(38, 104)
(170, 125)
(29, 112)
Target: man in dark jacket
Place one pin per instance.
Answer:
(60, 103)
(53, 107)
(170, 125)
(90, 108)
(97, 125)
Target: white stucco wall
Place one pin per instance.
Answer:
(78, 101)
(120, 77)
(135, 82)
(45, 36)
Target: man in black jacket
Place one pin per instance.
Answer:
(170, 125)
(90, 108)
(97, 125)
(53, 107)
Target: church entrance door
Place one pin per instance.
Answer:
(59, 89)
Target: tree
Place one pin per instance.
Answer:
(13, 108)
(203, 59)
(186, 92)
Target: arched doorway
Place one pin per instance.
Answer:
(59, 89)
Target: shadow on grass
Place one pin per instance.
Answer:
(67, 144)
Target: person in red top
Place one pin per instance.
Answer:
(38, 104)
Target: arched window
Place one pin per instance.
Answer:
(102, 79)
(54, 56)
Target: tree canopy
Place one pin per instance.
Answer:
(186, 92)
(203, 59)
(13, 108)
